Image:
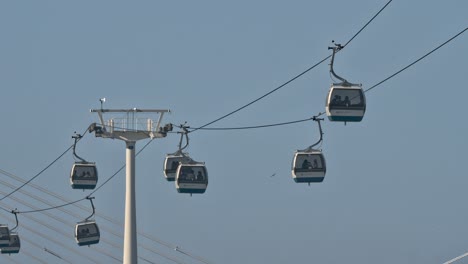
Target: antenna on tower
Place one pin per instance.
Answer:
(102, 100)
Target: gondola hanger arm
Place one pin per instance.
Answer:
(15, 212)
(92, 205)
(77, 138)
(335, 49)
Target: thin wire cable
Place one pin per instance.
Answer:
(121, 168)
(295, 77)
(86, 209)
(56, 255)
(192, 256)
(58, 219)
(372, 87)
(63, 233)
(355, 35)
(254, 127)
(37, 198)
(56, 241)
(79, 200)
(38, 174)
(50, 208)
(265, 95)
(456, 259)
(416, 61)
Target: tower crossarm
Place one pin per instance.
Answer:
(130, 124)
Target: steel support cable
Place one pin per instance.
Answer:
(163, 255)
(147, 260)
(295, 77)
(26, 253)
(56, 255)
(56, 241)
(35, 197)
(416, 61)
(38, 174)
(254, 127)
(355, 35)
(76, 216)
(86, 209)
(265, 95)
(35, 258)
(51, 208)
(76, 201)
(23, 249)
(456, 259)
(63, 221)
(192, 256)
(57, 230)
(12, 259)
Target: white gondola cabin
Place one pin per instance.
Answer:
(87, 233)
(171, 163)
(4, 235)
(84, 175)
(191, 178)
(346, 103)
(13, 246)
(308, 166)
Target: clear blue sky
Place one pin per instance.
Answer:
(395, 189)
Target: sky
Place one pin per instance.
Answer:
(395, 187)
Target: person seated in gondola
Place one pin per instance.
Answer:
(315, 165)
(199, 176)
(3, 235)
(174, 165)
(347, 102)
(336, 100)
(306, 164)
(15, 241)
(191, 175)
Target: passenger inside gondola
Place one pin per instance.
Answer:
(336, 100)
(306, 164)
(315, 165)
(199, 176)
(81, 173)
(15, 242)
(4, 234)
(347, 102)
(174, 165)
(352, 98)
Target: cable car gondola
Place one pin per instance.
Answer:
(345, 102)
(171, 163)
(83, 174)
(192, 177)
(13, 246)
(309, 165)
(4, 235)
(87, 231)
